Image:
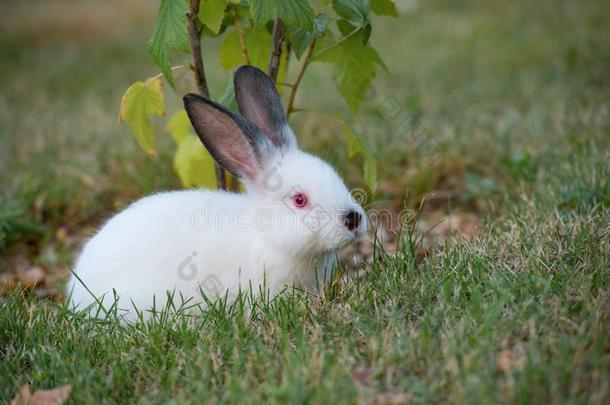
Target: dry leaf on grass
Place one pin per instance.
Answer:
(31, 277)
(55, 396)
(508, 360)
(363, 375)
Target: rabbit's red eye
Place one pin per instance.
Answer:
(300, 200)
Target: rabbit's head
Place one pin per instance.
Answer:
(302, 202)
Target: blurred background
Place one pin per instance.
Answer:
(493, 94)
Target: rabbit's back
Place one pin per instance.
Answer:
(179, 241)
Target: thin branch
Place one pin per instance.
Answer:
(195, 41)
(242, 41)
(290, 106)
(276, 48)
(199, 72)
(174, 68)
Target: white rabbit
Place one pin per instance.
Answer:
(296, 213)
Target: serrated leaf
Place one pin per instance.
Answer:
(296, 12)
(354, 67)
(355, 146)
(179, 126)
(348, 30)
(262, 11)
(384, 7)
(212, 13)
(354, 11)
(194, 164)
(170, 33)
(258, 42)
(300, 38)
(141, 100)
(292, 12)
(355, 17)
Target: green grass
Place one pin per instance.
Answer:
(516, 96)
(522, 315)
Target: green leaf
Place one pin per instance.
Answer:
(230, 51)
(384, 7)
(355, 17)
(348, 30)
(354, 66)
(292, 12)
(354, 11)
(300, 38)
(141, 100)
(366, 34)
(211, 13)
(258, 42)
(194, 164)
(228, 98)
(356, 145)
(170, 33)
(179, 126)
(262, 11)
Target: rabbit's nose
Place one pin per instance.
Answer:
(352, 219)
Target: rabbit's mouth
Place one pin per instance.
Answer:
(354, 237)
(342, 238)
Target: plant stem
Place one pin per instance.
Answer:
(174, 68)
(295, 86)
(195, 41)
(288, 51)
(276, 48)
(199, 73)
(242, 41)
(337, 42)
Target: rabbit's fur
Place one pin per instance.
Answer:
(217, 242)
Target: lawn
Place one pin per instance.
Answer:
(513, 99)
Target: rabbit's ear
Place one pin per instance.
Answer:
(259, 101)
(234, 142)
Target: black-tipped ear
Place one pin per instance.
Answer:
(234, 142)
(259, 101)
